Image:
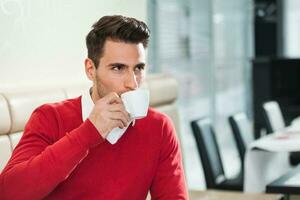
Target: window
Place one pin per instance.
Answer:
(206, 45)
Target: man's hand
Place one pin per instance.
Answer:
(108, 113)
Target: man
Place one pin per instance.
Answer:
(64, 153)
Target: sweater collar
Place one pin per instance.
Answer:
(87, 105)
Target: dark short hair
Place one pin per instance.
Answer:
(115, 28)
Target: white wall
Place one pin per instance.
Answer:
(42, 42)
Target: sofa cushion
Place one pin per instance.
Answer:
(15, 138)
(163, 89)
(5, 121)
(5, 150)
(76, 91)
(23, 103)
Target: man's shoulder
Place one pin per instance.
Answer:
(159, 124)
(157, 116)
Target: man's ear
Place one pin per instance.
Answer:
(90, 69)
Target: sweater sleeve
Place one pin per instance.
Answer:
(41, 160)
(169, 180)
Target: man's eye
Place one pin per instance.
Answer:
(140, 68)
(117, 68)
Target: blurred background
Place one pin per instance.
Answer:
(211, 46)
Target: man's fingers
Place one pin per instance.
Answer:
(119, 108)
(118, 123)
(109, 112)
(112, 98)
(119, 116)
(116, 107)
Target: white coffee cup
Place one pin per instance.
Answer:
(136, 103)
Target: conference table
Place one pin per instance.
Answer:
(229, 195)
(267, 159)
(288, 183)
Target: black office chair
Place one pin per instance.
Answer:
(275, 122)
(210, 157)
(243, 136)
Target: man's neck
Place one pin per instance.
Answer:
(94, 94)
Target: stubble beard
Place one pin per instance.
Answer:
(98, 87)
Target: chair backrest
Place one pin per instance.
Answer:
(273, 117)
(242, 133)
(209, 152)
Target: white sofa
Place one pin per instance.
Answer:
(17, 106)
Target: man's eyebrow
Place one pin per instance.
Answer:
(124, 65)
(116, 65)
(140, 64)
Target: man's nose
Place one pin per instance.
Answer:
(131, 81)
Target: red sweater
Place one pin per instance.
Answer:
(61, 157)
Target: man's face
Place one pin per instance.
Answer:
(121, 68)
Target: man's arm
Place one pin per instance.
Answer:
(41, 160)
(169, 181)
(39, 163)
